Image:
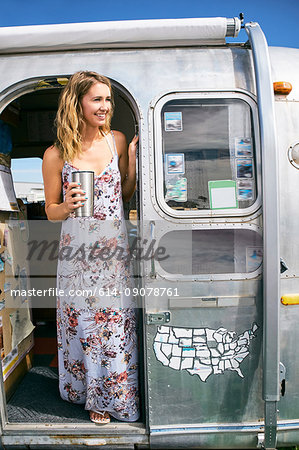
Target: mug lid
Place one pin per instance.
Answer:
(83, 171)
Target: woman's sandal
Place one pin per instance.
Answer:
(101, 417)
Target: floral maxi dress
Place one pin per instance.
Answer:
(96, 314)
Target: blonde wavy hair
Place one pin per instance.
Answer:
(69, 118)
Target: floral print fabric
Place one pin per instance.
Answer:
(96, 315)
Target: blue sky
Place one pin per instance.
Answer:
(278, 19)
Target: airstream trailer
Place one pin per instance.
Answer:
(217, 280)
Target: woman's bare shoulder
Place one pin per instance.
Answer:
(120, 142)
(119, 135)
(52, 156)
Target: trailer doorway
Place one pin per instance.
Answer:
(33, 395)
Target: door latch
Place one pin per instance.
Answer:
(158, 318)
(283, 266)
(282, 378)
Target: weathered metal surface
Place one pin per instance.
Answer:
(223, 410)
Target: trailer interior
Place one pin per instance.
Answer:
(31, 383)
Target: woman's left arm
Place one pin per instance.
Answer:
(127, 164)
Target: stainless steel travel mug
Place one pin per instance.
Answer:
(86, 178)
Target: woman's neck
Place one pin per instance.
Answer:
(90, 135)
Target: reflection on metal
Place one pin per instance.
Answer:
(231, 428)
(233, 27)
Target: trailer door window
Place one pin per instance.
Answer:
(208, 153)
(212, 251)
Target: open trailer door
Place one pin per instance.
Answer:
(212, 307)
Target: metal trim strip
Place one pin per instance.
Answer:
(271, 261)
(222, 428)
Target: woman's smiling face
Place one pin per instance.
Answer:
(96, 105)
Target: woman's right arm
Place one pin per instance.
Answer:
(56, 208)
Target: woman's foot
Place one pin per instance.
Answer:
(99, 417)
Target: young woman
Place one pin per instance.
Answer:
(96, 322)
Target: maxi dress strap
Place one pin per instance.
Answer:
(114, 143)
(113, 150)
